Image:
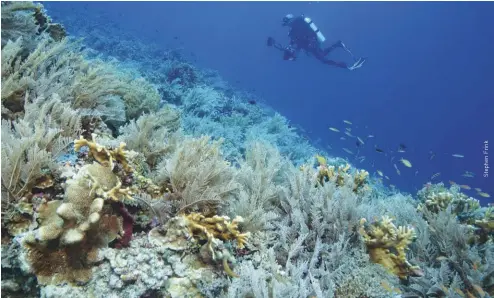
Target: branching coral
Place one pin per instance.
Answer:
(387, 246)
(103, 155)
(437, 198)
(339, 176)
(183, 230)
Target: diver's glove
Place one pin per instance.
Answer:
(357, 64)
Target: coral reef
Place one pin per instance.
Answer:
(128, 172)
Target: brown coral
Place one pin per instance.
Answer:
(65, 245)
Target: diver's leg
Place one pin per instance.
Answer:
(319, 54)
(338, 44)
(334, 63)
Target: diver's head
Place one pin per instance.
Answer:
(287, 19)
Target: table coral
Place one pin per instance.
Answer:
(387, 246)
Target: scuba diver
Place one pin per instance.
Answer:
(304, 35)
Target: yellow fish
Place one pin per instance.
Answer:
(321, 160)
(334, 129)
(464, 186)
(347, 122)
(406, 163)
(380, 173)
(484, 194)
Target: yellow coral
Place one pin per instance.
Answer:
(105, 156)
(218, 227)
(340, 176)
(98, 152)
(387, 246)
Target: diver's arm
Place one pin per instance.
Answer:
(273, 43)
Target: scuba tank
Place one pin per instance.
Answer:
(313, 26)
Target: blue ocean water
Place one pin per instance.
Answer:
(427, 82)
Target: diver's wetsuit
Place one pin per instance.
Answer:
(303, 37)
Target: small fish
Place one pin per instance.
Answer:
(370, 136)
(416, 173)
(349, 134)
(348, 128)
(397, 170)
(380, 173)
(435, 176)
(360, 140)
(347, 122)
(321, 160)
(484, 194)
(406, 163)
(379, 150)
(464, 186)
(468, 174)
(347, 151)
(342, 138)
(400, 151)
(386, 177)
(478, 189)
(452, 182)
(334, 129)
(458, 155)
(392, 158)
(431, 155)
